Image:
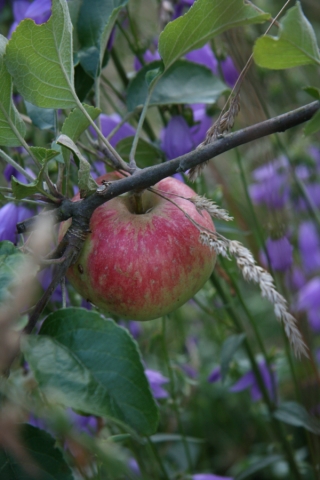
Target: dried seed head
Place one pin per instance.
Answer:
(202, 203)
(254, 273)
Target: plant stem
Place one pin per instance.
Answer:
(16, 165)
(158, 458)
(173, 394)
(278, 427)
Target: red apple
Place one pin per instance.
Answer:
(142, 266)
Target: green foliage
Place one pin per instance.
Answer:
(22, 190)
(228, 350)
(94, 22)
(179, 84)
(76, 123)
(41, 458)
(295, 414)
(90, 364)
(11, 124)
(39, 58)
(204, 20)
(146, 153)
(313, 126)
(295, 46)
(43, 118)
(87, 185)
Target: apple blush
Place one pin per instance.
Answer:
(143, 259)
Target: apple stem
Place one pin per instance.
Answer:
(137, 196)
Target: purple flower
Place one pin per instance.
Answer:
(271, 187)
(209, 476)
(249, 381)
(215, 375)
(10, 215)
(148, 57)
(133, 327)
(134, 467)
(45, 278)
(156, 379)
(313, 316)
(39, 11)
(229, 71)
(280, 253)
(204, 56)
(180, 5)
(309, 295)
(10, 171)
(295, 279)
(202, 123)
(109, 122)
(177, 138)
(83, 423)
(309, 246)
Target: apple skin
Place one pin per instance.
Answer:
(143, 266)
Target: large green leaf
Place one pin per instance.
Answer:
(184, 82)
(10, 121)
(204, 20)
(95, 21)
(295, 46)
(295, 414)
(22, 190)
(146, 154)
(88, 363)
(39, 57)
(40, 446)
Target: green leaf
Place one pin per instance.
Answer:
(82, 82)
(229, 348)
(313, 91)
(40, 446)
(91, 364)
(95, 21)
(22, 190)
(146, 154)
(11, 261)
(313, 126)
(260, 465)
(11, 124)
(87, 185)
(295, 414)
(203, 21)
(43, 118)
(39, 57)
(295, 46)
(184, 82)
(76, 123)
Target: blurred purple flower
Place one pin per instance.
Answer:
(180, 5)
(295, 279)
(309, 246)
(176, 138)
(313, 316)
(271, 187)
(156, 380)
(133, 327)
(202, 123)
(10, 215)
(309, 295)
(249, 381)
(190, 370)
(10, 171)
(204, 56)
(209, 476)
(215, 375)
(109, 122)
(280, 253)
(134, 467)
(148, 57)
(85, 304)
(229, 71)
(83, 423)
(38, 10)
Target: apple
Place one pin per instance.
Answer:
(142, 266)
